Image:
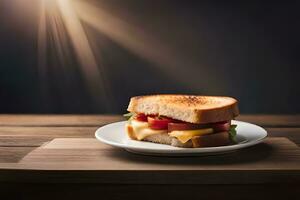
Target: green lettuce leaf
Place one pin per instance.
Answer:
(232, 133)
(128, 115)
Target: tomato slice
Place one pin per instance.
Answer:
(141, 117)
(218, 127)
(185, 126)
(159, 123)
(162, 123)
(221, 126)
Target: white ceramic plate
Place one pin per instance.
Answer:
(114, 134)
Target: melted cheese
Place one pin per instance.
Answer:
(142, 130)
(184, 136)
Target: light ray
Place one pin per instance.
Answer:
(83, 50)
(57, 18)
(62, 21)
(144, 45)
(42, 41)
(42, 50)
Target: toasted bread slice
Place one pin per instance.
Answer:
(164, 138)
(188, 108)
(211, 140)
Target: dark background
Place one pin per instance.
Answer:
(246, 50)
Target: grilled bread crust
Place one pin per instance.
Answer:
(188, 108)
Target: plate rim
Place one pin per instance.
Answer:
(180, 150)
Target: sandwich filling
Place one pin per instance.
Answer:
(143, 126)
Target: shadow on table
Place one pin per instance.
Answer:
(249, 155)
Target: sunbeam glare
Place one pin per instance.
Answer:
(143, 44)
(61, 27)
(57, 16)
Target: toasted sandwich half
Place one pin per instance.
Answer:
(182, 120)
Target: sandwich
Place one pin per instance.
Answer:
(186, 121)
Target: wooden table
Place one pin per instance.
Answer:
(54, 156)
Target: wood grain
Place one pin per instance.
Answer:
(272, 120)
(13, 155)
(98, 156)
(76, 143)
(58, 120)
(63, 160)
(36, 136)
(62, 148)
(291, 133)
(23, 141)
(51, 132)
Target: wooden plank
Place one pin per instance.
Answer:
(77, 150)
(36, 136)
(276, 160)
(23, 141)
(58, 120)
(87, 160)
(13, 155)
(99, 120)
(76, 143)
(90, 152)
(292, 133)
(272, 120)
(50, 132)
